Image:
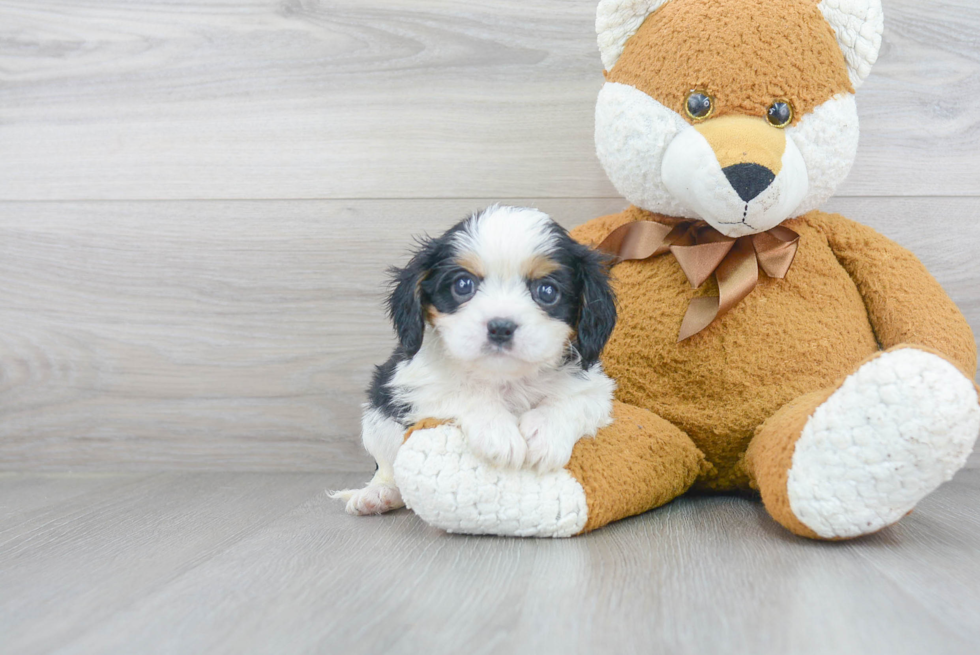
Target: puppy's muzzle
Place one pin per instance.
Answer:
(500, 331)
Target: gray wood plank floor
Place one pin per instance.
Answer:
(266, 563)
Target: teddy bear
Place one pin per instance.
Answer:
(763, 346)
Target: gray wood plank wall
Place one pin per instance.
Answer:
(198, 199)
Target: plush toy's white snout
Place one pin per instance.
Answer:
(663, 164)
(737, 173)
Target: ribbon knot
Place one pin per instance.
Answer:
(702, 251)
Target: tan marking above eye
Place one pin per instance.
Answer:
(472, 263)
(538, 266)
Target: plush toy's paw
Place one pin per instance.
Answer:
(449, 487)
(549, 439)
(897, 428)
(376, 498)
(498, 440)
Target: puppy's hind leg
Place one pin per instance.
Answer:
(382, 437)
(380, 495)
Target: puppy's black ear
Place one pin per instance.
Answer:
(597, 316)
(405, 302)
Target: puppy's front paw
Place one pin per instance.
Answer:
(549, 443)
(499, 441)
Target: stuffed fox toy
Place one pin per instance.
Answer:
(762, 345)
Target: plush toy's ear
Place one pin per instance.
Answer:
(858, 25)
(597, 316)
(405, 302)
(616, 21)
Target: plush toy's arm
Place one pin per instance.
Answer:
(905, 304)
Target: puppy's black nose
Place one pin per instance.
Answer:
(748, 180)
(501, 330)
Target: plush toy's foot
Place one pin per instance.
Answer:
(639, 462)
(451, 488)
(855, 459)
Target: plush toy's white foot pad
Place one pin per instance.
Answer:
(450, 488)
(897, 428)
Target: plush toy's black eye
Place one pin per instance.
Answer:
(780, 113)
(546, 293)
(464, 286)
(699, 105)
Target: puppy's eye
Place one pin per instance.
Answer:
(464, 287)
(699, 105)
(546, 293)
(780, 113)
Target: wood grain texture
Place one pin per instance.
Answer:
(103, 550)
(113, 99)
(260, 563)
(216, 335)
(197, 334)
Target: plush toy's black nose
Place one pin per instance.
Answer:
(748, 180)
(501, 330)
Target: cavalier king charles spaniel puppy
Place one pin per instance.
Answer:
(500, 324)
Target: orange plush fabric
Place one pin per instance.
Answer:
(770, 457)
(768, 363)
(424, 424)
(788, 46)
(787, 338)
(639, 462)
(904, 302)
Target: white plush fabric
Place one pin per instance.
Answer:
(616, 21)
(859, 25)
(692, 175)
(452, 489)
(632, 132)
(827, 138)
(900, 426)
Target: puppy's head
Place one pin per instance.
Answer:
(506, 291)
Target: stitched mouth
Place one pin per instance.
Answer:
(742, 221)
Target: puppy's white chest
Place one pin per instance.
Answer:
(520, 397)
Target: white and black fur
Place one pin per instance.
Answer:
(500, 324)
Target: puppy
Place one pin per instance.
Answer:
(500, 325)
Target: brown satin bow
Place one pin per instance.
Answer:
(702, 250)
